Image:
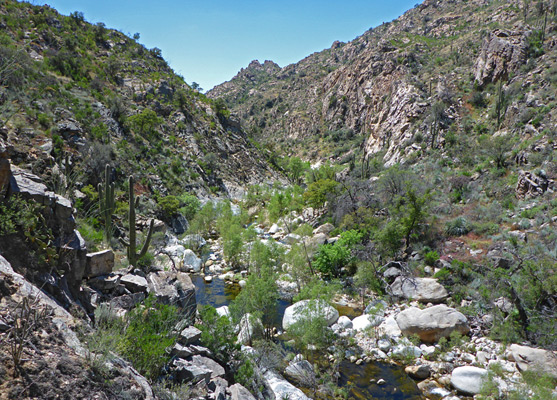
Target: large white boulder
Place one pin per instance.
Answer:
(307, 309)
(282, 388)
(468, 380)
(526, 358)
(191, 261)
(425, 290)
(432, 323)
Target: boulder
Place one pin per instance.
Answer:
(282, 388)
(366, 321)
(99, 263)
(324, 229)
(105, 283)
(238, 392)
(58, 210)
(191, 261)
(432, 323)
(531, 358)
(189, 335)
(204, 362)
(195, 241)
(503, 52)
(418, 372)
(301, 372)
(185, 371)
(292, 238)
(308, 308)
(134, 283)
(389, 328)
(425, 290)
(273, 229)
(468, 380)
(345, 322)
(173, 287)
(179, 224)
(127, 301)
(223, 311)
(250, 328)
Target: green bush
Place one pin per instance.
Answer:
(148, 335)
(457, 227)
(189, 205)
(169, 206)
(431, 257)
(330, 258)
(317, 192)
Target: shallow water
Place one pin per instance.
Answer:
(354, 377)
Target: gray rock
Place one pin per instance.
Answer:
(366, 321)
(376, 306)
(392, 273)
(127, 301)
(345, 322)
(432, 323)
(104, 283)
(181, 351)
(403, 351)
(531, 358)
(325, 229)
(282, 388)
(99, 263)
(301, 372)
(425, 290)
(194, 241)
(179, 224)
(250, 328)
(468, 379)
(191, 261)
(204, 362)
(306, 308)
(384, 345)
(273, 229)
(134, 283)
(238, 392)
(173, 287)
(189, 335)
(292, 238)
(185, 371)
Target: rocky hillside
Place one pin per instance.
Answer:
(415, 83)
(70, 88)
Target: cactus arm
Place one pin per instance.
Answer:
(147, 240)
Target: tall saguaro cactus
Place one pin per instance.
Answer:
(131, 246)
(106, 203)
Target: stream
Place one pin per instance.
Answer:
(398, 385)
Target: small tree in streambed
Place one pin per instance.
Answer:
(106, 203)
(131, 246)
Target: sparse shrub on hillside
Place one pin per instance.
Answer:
(457, 227)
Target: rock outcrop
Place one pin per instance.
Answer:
(425, 290)
(308, 309)
(432, 323)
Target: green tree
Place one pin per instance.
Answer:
(317, 192)
(145, 123)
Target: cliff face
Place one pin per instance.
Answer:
(98, 96)
(411, 78)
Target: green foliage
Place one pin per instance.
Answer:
(457, 227)
(189, 205)
(204, 219)
(331, 258)
(24, 219)
(312, 329)
(148, 335)
(145, 123)
(317, 192)
(258, 298)
(230, 229)
(295, 169)
(284, 201)
(169, 206)
(431, 257)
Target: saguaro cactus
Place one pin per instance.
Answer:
(106, 203)
(131, 246)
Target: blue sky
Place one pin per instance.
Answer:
(208, 41)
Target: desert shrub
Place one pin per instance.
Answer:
(148, 334)
(317, 192)
(331, 258)
(189, 205)
(457, 227)
(169, 206)
(431, 257)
